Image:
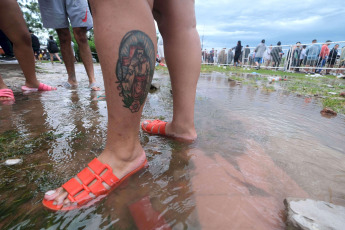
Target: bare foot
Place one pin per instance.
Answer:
(93, 86)
(72, 83)
(120, 168)
(6, 94)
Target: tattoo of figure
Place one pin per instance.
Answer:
(134, 69)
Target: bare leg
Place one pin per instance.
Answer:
(2, 84)
(57, 56)
(67, 54)
(119, 26)
(177, 24)
(16, 30)
(51, 58)
(85, 53)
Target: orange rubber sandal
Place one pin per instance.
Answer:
(156, 127)
(79, 194)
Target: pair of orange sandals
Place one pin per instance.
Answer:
(79, 194)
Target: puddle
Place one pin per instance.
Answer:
(254, 148)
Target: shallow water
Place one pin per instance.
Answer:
(254, 149)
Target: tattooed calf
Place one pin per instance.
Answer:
(134, 69)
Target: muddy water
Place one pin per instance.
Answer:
(254, 149)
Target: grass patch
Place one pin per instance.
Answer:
(336, 104)
(268, 88)
(14, 143)
(326, 87)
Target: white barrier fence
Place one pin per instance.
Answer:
(313, 57)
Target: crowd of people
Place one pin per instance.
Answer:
(314, 58)
(40, 52)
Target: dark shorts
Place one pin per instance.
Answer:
(331, 61)
(236, 58)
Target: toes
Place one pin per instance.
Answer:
(145, 123)
(95, 88)
(60, 199)
(66, 202)
(50, 195)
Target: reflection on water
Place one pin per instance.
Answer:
(254, 148)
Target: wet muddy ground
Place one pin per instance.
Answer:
(255, 148)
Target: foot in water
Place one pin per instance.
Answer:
(95, 181)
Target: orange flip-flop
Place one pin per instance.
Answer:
(79, 194)
(156, 127)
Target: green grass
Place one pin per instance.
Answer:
(268, 88)
(16, 144)
(334, 103)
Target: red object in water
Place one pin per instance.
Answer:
(145, 217)
(307, 100)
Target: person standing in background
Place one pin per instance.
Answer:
(230, 56)
(303, 56)
(57, 15)
(17, 32)
(332, 58)
(246, 54)
(341, 63)
(267, 56)
(53, 50)
(211, 56)
(215, 57)
(259, 52)
(276, 55)
(296, 53)
(238, 52)
(312, 53)
(323, 55)
(7, 47)
(35, 44)
(222, 57)
(160, 47)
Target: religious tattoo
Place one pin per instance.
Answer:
(134, 69)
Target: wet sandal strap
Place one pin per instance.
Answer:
(44, 87)
(156, 127)
(80, 192)
(108, 177)
(6, 93)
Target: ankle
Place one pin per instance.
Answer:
(183, 130)
(122, 162)
(124, 153)
(32, 83)
(72, 80)
(92, 80)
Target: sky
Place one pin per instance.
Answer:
(221, 23)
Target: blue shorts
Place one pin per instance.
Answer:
(258, 59)
(56, 13)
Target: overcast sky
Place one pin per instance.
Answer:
(222, 23)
